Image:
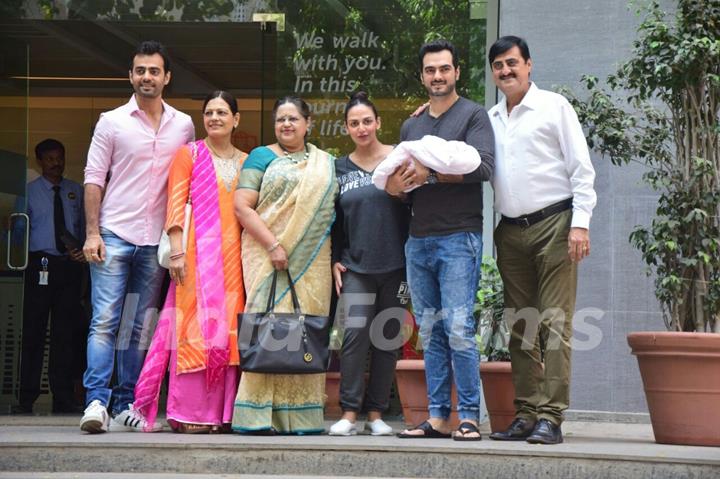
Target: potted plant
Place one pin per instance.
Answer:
(493, 339)
(493, 344)
(410, 376)
(671, 85)
(332, 379)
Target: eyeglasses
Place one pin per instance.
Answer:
(293, 120)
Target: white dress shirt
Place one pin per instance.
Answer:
(541, 157)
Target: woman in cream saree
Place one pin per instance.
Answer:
(285, 202)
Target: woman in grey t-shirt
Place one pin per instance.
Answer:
(369, 235)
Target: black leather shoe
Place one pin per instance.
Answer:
(545, 433)
(519, 430)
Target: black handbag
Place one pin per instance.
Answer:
(283, 343)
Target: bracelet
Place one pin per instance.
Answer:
(273, 247)
(177, 255)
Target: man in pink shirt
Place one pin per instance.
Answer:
(125, 201)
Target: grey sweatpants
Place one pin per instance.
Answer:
(371, 310)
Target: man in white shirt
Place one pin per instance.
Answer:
(543, 185)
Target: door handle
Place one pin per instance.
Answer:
(26, 243)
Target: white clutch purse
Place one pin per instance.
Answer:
(163, 252)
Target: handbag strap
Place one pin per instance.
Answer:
(271, 297)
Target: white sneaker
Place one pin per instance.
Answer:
(378, 427)
(95, 419)
(131, 420)
(343, 428)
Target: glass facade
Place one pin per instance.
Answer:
(257, 49)
(63, 62)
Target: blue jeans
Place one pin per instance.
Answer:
(443, 274)
(125, 290)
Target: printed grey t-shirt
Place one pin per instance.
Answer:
(370, 227)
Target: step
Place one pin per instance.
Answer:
(35, 444)
(124, 475)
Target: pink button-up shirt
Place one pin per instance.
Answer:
(131, 161)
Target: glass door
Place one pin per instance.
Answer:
(14, 89)
(78, 69)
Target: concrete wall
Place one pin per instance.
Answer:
(569, 38)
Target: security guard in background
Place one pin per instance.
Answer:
(53, 280)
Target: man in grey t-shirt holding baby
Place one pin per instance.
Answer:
(444, 249)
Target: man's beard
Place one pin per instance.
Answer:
(151, 93)
(448, 90)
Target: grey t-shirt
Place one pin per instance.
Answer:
(370, 227)
(446, 208)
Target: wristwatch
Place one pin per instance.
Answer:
(431, 178)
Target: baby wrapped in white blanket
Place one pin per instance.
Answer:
(443, 156)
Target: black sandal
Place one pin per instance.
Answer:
(429, 432)
(466, 428)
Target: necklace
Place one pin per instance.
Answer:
(225, 168)
(218, 156)
(291, 158)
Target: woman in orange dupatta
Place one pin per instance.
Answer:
(196, 336)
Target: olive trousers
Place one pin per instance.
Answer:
(540, 284)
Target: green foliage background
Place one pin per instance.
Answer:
(662, 109)
(402, 25)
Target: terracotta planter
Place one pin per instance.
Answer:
(681, 376)
(499, 393)
(410, 378)
(496, 377)
(332, 395)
